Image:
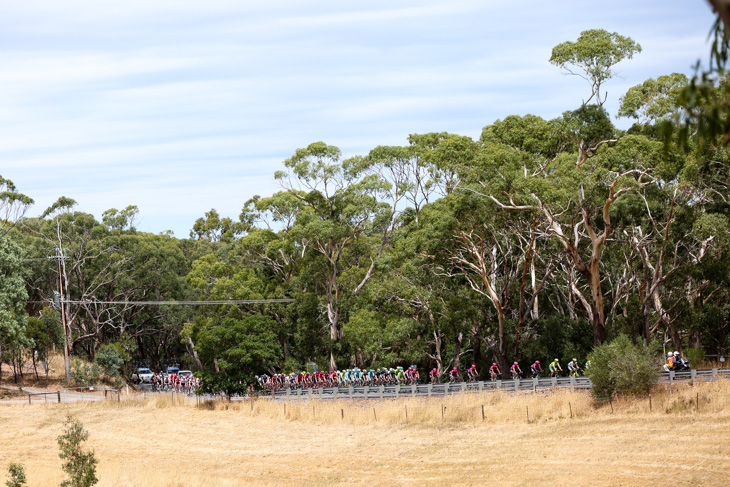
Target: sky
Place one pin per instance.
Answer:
(182, 106)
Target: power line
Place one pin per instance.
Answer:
(178, 303)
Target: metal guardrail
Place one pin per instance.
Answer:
(430, 390)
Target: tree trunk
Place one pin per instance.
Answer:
(502, 357)
(457, 350)
(599, 317)
(477, 342)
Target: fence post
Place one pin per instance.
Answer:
(59, 396)
(482, 412)
(28, 398)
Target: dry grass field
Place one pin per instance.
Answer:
(161, 442)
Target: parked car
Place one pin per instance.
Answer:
(142, 374)
(185, 374)
(172, 370)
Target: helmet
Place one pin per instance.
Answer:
(494, 363)
(669, 354)
(473, 365)
(676, 353)
(537, 361)
(555, 360)
(575, 360)
(515, 363)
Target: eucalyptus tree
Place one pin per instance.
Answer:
(13, 297)
(13, 205)
(654, 100)
(592, 58)
(574, 203)
(346, 220)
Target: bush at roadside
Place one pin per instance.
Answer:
(622, 367)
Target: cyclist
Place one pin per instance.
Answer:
(588, 365)
(516, 371)
(573, 368)
(554, 367)
(536, 369)
(472, 373)
(454, 375)
(400, 376)
(494, 371)
(434, 375)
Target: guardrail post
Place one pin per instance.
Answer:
(517, 384)
(499, 384)
(671, 376)
(554, 381)
(693, 374)
(714, 374)
(430, 388)
(572, 383)
(381, 389)
(481, 385)
(446, 388)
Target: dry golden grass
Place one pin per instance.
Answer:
(161, 442)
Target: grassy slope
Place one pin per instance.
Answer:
(158, 443)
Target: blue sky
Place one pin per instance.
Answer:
(183, 106)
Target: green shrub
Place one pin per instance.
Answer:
(623, 367)
(84, 374)
(16, 472)
(109, 360)
(80, 466)
(696, 356)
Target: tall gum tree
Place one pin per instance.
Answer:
(592, 58)
(573, 203)
(342, 198)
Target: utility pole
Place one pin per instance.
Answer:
(66, 329)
